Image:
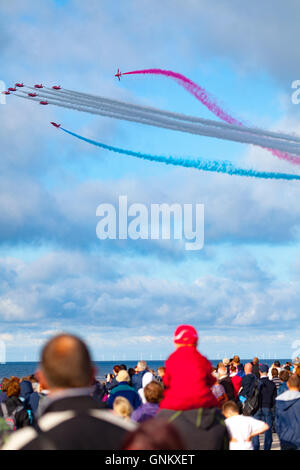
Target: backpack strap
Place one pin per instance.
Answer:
(4, 410)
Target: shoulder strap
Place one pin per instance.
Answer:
(4, 410)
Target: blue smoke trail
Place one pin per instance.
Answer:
(215, 166)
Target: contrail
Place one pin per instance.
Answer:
(94, 99)
(202, 95)
(212, 166)
(193, 128)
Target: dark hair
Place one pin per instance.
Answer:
(131, 372)
(66, 362)
(284, 375)
(153, 392)
(123, 367)
(13, 389)
(233, 368)
(276, 363)
(274, 372)
(154, 434)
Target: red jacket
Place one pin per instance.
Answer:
(188, 381)
(237, 383)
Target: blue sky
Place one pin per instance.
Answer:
(242, 291)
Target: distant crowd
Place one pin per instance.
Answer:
(185, 405)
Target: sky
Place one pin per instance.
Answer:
(126, 297)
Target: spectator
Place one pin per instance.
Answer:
(240, 368)
(248, 381)
(275, 365)
(122, 407)
(242, 429)
(188, 377)
(266, 402)
(160, 373)
(255, 367)
(153, 394)
(275, 377)
(137, 379)
(236, 380)
(13, 407)
(3, 394)
(72, 420)
(154, 435)
(111, 381)
(284, 377)
(226, 382)
(123, 389)
(288, 415)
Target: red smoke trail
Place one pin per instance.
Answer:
(202, 95)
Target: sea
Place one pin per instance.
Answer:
(22, 369)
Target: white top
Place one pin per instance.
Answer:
(240, 427)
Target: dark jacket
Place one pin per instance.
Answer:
(288, 419)
(137, 380)
(124, 390)
(228, 387)
(3, 396)
(248, 382)
(255, 370)
(22, 417)
(267, 393)
(72, 423)
(200, 429)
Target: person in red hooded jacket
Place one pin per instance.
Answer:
(188, 376)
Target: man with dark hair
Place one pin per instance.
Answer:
(71, 419)
(266, 402)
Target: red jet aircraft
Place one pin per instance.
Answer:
(12, 89)
(20, 85)
(56, 87)
(44, 102)
(38, 86)
(54, 124)
(118, 74)
(32, 95)
(6, 92)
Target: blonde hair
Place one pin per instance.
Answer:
(122, 407)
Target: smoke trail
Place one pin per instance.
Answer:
(213, 166)
(209, 131)
(166, 123)
(94, 101)
(208, 101)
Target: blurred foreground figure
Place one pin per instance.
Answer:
(71, 419)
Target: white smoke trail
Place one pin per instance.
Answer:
(210, 131)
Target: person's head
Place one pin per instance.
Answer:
(288, 368)
(122, 407)
(123, 376)
(141, 366)
(116, 369)
(161, 371)
(229, 409)
(65, 364)
(255, 360)
(154, 434)
(248, 368)
(233, 369)
(131, 372)
(4, 384)
(225, 361)
(153, 392)
(236, 359)
(284, 375)
(276, 364)
(13, 389)
(274, 372)
(222, 371)
(293, 383)
(185, 335)
(123, 367)
(263, 370)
